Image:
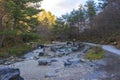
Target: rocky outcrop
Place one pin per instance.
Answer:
(10, 74)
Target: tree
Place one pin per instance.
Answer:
(60, 31)
(104, 3)
(18, 17)
(91, 11)
(107, 26)
(47, 20)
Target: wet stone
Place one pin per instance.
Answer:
(44, 62)
(10, 74)
(82, 60)
(74, 48)
(74, 60)
(50, 74)
(54, 60)
(71, 61)
(67, 63)
(36, 57)
(41, 53)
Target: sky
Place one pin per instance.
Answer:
(60, 7)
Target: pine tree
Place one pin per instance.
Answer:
(91, 11)
(19, 18)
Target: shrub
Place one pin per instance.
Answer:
(14, 51)
(18, 50)
(30, 36)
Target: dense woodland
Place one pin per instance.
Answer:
(23, 22)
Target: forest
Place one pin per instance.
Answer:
(23, 24)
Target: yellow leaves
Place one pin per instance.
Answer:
(24, 23)
(46, 18)
(19, 32)
(34, 16)
(20, 22)
(28, 17)
(28, 29)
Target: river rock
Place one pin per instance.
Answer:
(53, 49)
(82, 60)
(8, 63)
(54, 60)
(60, 52)
(41, 53)
(50, 74)
(10, 74)
(35, 57)
(74, 48)
(71, 61)
(67, 63)
(74, 60)
(44, 62)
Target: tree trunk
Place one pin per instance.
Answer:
(2, 40)
(0, 22)
(1, 36)
(15, 23)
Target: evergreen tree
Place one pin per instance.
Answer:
(91, 11)
(18, 18)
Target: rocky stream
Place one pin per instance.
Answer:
(61, 61)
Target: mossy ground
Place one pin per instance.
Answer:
(96, 53)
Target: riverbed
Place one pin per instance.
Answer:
(105, 69)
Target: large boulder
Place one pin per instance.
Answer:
(10, 74)
(71, 61)
(44, 62)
